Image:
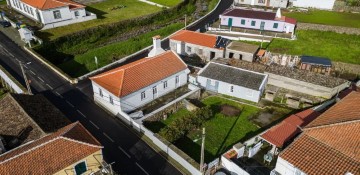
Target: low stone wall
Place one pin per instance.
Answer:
(165, 113)
(342, 7)
(346, 67)
(321, 27)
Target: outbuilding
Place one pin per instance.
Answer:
(241, 51)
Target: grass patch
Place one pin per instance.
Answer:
(105, 14)
(212, 4)
(327, 18)
(2, 2)
(335, 46)
(168, 3)
(84, 63)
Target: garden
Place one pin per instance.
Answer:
(227, 122)
(168, 3)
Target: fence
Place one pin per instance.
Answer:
(9, 82)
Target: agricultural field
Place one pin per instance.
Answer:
(107, 12)
(168, 3)
(327, 17)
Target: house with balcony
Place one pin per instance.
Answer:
(52, 13)
(263, 3)
(129, 87)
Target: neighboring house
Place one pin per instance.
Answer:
(328, 145)
(259, 20)
(52, 13)
(266, 3)
(136, 84)
(232, 81)
(35, 138)
(241, 51)
(323, 4)
(316, 64)
(205, 46)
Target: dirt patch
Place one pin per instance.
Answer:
(264, 119)
(230, 110)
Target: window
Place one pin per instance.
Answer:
(200, 51)
(261, 1)
(165, 84)
(80, 168)
(275, 26)
(243, 22)
(100, 93)
(31, 11)
(57, 14)
(76, 13)
(188, 49)
(154, 90)
(143, 95)
(111, 100)
(177, 79)
(231, 88)
(253, 23)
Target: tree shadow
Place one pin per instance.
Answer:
(226, 137)
(193, 150)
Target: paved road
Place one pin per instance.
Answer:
(121, 145)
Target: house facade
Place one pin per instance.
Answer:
(324, 4)
(189, 43)
(264, 3)
(232, 81)
(259, 20)
(134, 85)
(52, 13)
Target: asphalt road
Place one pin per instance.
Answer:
(122, 146)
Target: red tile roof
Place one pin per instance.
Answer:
(132, 77)
(346, 110)
(50, 153)
(290, 127)
(197, 38)
(50, 4)
(290, 20)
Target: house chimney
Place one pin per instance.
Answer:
(156, 47)
(278, 13)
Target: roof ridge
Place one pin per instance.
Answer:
(333, 124)
(77, 141)
(70, 128)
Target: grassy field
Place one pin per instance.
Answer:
(337, 47)
(2, 2)
(106, 13)
(84, 63)
(168, 3)
(327, 17)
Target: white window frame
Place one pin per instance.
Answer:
(55, 12)
(143, 95)
(81, 161)
(77, 13)
(101, 93)
(231, 88)
(165, 85)
(154, 89)
(111, 100)
(188, 49)
(177, 80)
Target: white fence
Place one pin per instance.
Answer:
(8, 82)
(232, 167)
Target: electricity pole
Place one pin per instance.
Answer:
(202, 150)
(25, 78)
(185, 22)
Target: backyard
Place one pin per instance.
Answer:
(222, 131)
(327, 17)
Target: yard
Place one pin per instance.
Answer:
(168, 3)
(327, 18)
(221, 131)
(107, 12)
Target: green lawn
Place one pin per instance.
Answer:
(327, 17)
(84, 63)
(168, 3)
(337, 47)
(106, 14)
(2, 2)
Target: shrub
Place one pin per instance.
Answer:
(180, 127)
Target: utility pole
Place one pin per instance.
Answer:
(25, 78)
(202, 150)
(185, 22)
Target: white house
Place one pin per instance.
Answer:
(232, 81)
(259, 20)
(52, 13)
(265, 3)
(323, 4)
(133, 85)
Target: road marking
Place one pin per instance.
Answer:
(94, 124)
(57, 93)
(69, 103)
(141, 168)
(11, 54)
(124, 152)
(49, 86)
(25, 66)
(81, 113)
(41, 79)
(32, 72)
(108, 137)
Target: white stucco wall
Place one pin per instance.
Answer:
(323, 4)
(104, 101)
(48, 15)
(245, 55)
(271, 3)
(195, 50)
(19, 6)
(285, 168)
(269, 24)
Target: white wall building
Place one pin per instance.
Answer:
(323, 4)
(232, 81)
(265, 3)
(136, 84)
(255, 19)
(52, 13)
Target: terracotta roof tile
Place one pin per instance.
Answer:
(131, 77)
(38, 157)
(197, 38)
(49, 4)
(348, 109)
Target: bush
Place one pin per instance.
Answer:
(180, 127)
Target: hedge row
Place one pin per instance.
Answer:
(181, 126)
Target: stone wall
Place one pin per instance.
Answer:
(342, 7)
(346, 67)
(166, 112)
(337, 29)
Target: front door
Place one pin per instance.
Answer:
(178, 48)
(230, 22)
(262, 26)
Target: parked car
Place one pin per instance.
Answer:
(5, 24)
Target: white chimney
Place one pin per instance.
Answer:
(278, 13)
(156, 47)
